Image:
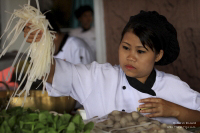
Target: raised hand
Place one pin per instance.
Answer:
(32, 35)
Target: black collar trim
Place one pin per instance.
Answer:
(146, 87)
(63, 42)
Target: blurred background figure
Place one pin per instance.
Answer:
(86, 31)
(71, 49)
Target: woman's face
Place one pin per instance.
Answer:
(135, 60)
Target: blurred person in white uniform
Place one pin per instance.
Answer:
(72, 49)
(148, 39)
(86, 31)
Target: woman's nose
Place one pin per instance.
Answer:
(132, 58)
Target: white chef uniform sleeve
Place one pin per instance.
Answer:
(61, 73)
(76, 81)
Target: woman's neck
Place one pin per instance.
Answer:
(143, 79)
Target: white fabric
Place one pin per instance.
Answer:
(88, 36)
(76, 51)
(98, 87)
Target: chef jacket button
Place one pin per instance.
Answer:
(123, 110)
(124, 87)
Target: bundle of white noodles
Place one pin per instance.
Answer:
(41, 53)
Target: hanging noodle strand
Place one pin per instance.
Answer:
(40, 53)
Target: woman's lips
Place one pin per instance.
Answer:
(129, 67)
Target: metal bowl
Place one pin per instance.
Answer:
(37, 100)
(40, 101)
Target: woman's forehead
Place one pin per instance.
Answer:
(131, 38)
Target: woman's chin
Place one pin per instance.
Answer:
(129, 74)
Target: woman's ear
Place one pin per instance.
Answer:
(159, 55)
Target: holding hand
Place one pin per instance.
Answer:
(159, 107)
(32, 35)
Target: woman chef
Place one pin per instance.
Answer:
(147, 39)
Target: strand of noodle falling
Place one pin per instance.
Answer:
(40, 53)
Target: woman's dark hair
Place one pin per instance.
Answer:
(155, 31)
(52, 20)
(146, 36)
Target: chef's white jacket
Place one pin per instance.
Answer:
(88, 36)
(76, 51)
(102, 88)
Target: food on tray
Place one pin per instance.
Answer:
(134, 122)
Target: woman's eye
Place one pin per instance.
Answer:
(140, 51)
(126, 48)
